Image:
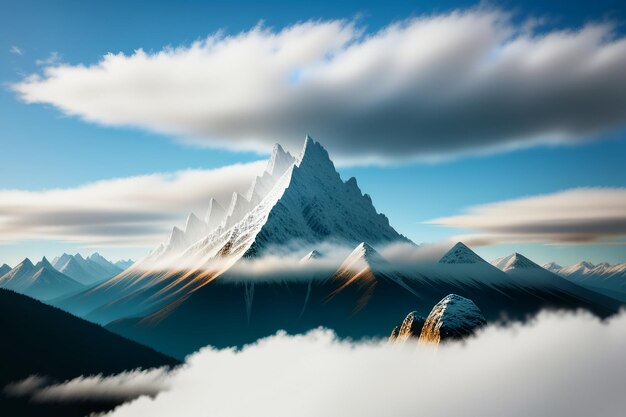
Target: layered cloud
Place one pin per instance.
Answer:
(132, 211)
(430, 87)
(581, 215)
(544, 368)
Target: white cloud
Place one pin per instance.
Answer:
(16, 50)
(53, 59)
(559, 365)
(429, 87)
(132, 211)
(580, 215)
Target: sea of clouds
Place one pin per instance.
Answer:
(556, 365)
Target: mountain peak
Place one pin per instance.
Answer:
(314, 153)
(314, 254)
(25, 262)
(584, 265)
(514, 261)
(214, 214)
(461, 254)
(44, 263)
(552, 267)
(363, 257)
(279, 161)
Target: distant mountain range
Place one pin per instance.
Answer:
(603, 277)
(65, 275)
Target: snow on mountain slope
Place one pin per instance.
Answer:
(314, 254)
(461, 254)
(39, 281)
(515, 261)
(93, 269)
(602, 277)
(454, 317)
(531, 275)
(214, 215)
(217, 219)
(553, 267)
(309, 204)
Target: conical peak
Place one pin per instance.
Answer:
(365, 251)
(192, 220)
(215, 214)
(461, 254)
(314, 254)
(26, 262)
(44, 263)
(514, 261)
(279, 161)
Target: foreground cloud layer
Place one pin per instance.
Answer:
(559, 365)
(581, 215)
(133, 211)
(428, 87)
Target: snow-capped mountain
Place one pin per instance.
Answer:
(296, 202)
(461, 254)
(314, 254)
(454, 317)
(41, 281)
(514, 261)
(529, 274)
(606, 278)
(553, 267)
(217, 220)
(93, 269)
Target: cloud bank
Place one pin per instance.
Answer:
(430, 87)
(558, 365)
(580, 215)
(132, 211)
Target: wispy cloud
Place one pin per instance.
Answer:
(581, 215)
(132, 211)
(430, 87)
(53, 59)
(16, 50)
(541, 369)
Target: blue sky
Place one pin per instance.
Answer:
(44, 148)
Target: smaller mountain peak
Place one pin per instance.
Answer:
(44, 263)
(314, 254)
(279, 161)
(214, 214)
(514, 261)
(552, 267)
(365, 252)
(461, 254)
(193, 222)
(352, 182)
(26, 262)
(585, 264)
